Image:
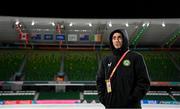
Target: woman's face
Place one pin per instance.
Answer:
(117, 40)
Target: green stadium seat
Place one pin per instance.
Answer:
(42, 65)
(58, 95)
(81, 65)
(10, 62)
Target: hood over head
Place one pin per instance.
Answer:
(125, 43)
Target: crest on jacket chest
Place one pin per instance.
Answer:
(126, 62)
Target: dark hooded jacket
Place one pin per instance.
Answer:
(130, 81)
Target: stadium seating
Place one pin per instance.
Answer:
(160, 66)
(177, 98)
(58, 95)
(10, 62)
(42, 65)
(80, 65)
(176, 56)
(158, 97)
(17, 97)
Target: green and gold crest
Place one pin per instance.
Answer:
(126, 62)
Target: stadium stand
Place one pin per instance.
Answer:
(10, 62)
(42, 65)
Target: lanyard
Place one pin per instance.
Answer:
(118, 64)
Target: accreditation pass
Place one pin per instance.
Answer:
(108, 86)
